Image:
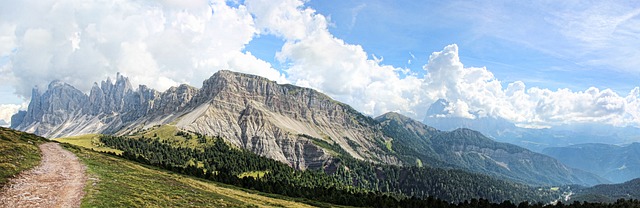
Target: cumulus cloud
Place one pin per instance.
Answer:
(159, 43)
(7, 110)
(317, 59)
(476, 92)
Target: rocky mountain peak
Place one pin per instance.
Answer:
(56, 83)
(269, 118)
(438, 108)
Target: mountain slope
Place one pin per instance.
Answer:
(470, 150)
(282, 122)
(613, 162)
(354, 179)
(271, 119)
(109, 174)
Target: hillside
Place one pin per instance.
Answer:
(615, 163)
(115, 182)
(108, 175)
(213, 159)
(609, 192)
(470, 150)
(18, 152)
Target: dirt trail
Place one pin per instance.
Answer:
(57, 182)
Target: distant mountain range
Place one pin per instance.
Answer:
(533, 139)
(615, 163)
(298, 126)
(609, 192)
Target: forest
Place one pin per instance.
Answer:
(344, 181)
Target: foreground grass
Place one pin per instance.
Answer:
(90, 141)
(18, 151)
(115, 182)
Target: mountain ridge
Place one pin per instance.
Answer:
(470, 150)
(280, 121)
(615, 163)
(250, 111)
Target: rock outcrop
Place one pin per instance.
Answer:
(63, 110)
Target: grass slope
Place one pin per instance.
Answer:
(18, 151)
(90, 141)
(115, 182)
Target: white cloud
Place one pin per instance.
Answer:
(475, 91)
(317, 59)
(7, 39)
(158, 43)
(7, 110)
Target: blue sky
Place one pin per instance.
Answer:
(547, 62)
(396, 29)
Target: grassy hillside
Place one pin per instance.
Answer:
(18, 151)
(115, 182)
(91, 141)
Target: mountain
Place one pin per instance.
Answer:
(283, 122)
(535, 139)
(609, 192)
(3, 123)
(298, 126)
(470, 150)
(613, 162)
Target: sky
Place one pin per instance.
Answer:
(537, 64)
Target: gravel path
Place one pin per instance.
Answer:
(57, 182)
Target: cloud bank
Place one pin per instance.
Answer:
(6, 111)
(159, 43)
(163, 43)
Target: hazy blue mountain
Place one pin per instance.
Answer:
(533, 139)
(613, 162)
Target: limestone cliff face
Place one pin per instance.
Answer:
(283, 122)
(62, 110)
(50, 110)
(271, 119)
